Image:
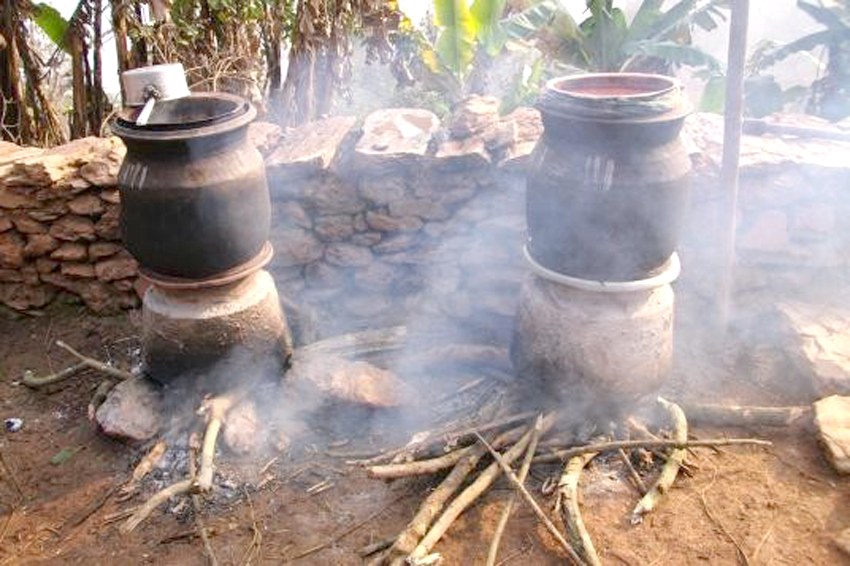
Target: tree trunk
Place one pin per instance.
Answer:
(97, 76)
(119, 28)
(23, 130)
(78, 120)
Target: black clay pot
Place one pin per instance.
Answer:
(194, 198)
(608, 190)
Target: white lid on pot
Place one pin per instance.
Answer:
(164, 82)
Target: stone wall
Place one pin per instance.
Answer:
(59, 231)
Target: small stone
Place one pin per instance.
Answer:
(394, 137)
(291, 213)
(378, 276)
(26, 225)
(348, 255)
(368, 305)
(832, 418)
(112, 196)
(11, 276)
(387, 223)
(323, 276)
(100, 250)
(842, 541)
(108, 226)
(44, 265)
(265, 136)
(383, 189)
(469, 153)
(308, 149)
(5, 222)
(12, 199)
(397, 243)
(333, 196)
(295, 246)
(334, 228)
(13, 424)
(40, 244)
(423, 208)
(79, 270)
(49, 211)
(21, 296)
(366, 239)
(104, 299)
(70, 252)
(11, 249)
(131, 411)
(87, 204)
(29, 274)
(124, 285)
(72, 228)
(122, 266)
(241, 432)
(528, 127)
(473, 115)
(100, 172)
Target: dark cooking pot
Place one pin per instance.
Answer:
(608, 189)
(194, 199)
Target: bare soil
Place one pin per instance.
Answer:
(780, 506)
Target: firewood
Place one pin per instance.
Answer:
(567, 504)
(737, 415)
(34, 381)
(567, 453)
(95, 364)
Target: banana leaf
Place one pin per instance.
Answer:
(455, 43)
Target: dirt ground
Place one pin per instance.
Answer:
(780, 506)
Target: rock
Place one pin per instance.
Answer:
(122, 266)
(842, 541)
(21, 296)
(100, 250)
(11, 276)
(818, 219)
(394, 137)
(264, 135)
(382, 189)
(323, 276)
(103, 299)
(124, 285)
(55, 167)
(473, 115)
(387, 223)
(330, 195)
(101, 172)
(366, 239)
(360, 222)
(87, 204)
(131, 411)
(44, 265)
(40, 244)
(528, 128)
(768, 233)
(334, 228)
(308, 149)
(26, 225)
(369, 305)
(468, 153)
(79, 270)
(423, 208)
(291, 213)
(377, 276)
(72, 228)
(108, 226)
(11, 249)
(348, 255)
(241, 431)
(30, 274)
(832, 418)
(111, 196)
(397, 243)
(48, 211)
(12, 199)
(5, 221)
(820, 346)
(70, 252)
(295, 246)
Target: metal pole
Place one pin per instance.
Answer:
(734, 106)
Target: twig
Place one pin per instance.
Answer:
(419, 467)
(215, 409)
(336, 538)
(567, 503)
(503, 464)
(146, 464)
(509, 505)
(196, 501)
(257, 538)
(99, 397)
(735, 415)
(33, 381)
(95, 364)
(670, 469)
(632, 472)
(375, 547)
(475, 489)
(566, 454)
(144, 510)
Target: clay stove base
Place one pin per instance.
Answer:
(597, 350)
(186, 331)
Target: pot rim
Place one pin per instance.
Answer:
(672, 83)
(242, 115)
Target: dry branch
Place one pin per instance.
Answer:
(632, 472)
(33, 381)
(671, 467)
(155, 501)
(570, 510)
(96, 364)
(419, 467)
(215, 409)
(567, 453)
(196, 501)
(509, 505)
(474, 490)
(358, 344)
(737, 415)
(503, 464)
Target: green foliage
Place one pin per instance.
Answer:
(52, 24)
(455, 43)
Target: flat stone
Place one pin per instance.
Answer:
(265, 136)
(40, 244)
(368, 305)
(320, 275)
(72, 228)
(291, 213)
(124, 284)
(397, 243)
(132, 411)
(12, 200)
(842, 541)
(101, 172)
(111, 196)
(331, 195)
(242, 431)
(100, 250)
(767, 233)
(30, 274)
(377, 276)
(54, 167)
(366, 239)
(11, 276)
(48, 211)
(334, 228)
(394, 137)
(387, 223)
(425, 209)
(121, 266)
(528, 127)
(309, 149)
(104, 299)
(348, 255)
(108, 226)
(382, 189)
(26, 225)
(473, 115)
(70, 252)
(295, 246)
(11, 249)
(21, 296)
(87, 204)
(78, 270)
(44, 265)
(5, 222)
(467, 153)
(832, 418)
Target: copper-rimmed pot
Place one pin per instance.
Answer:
(194, 198)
